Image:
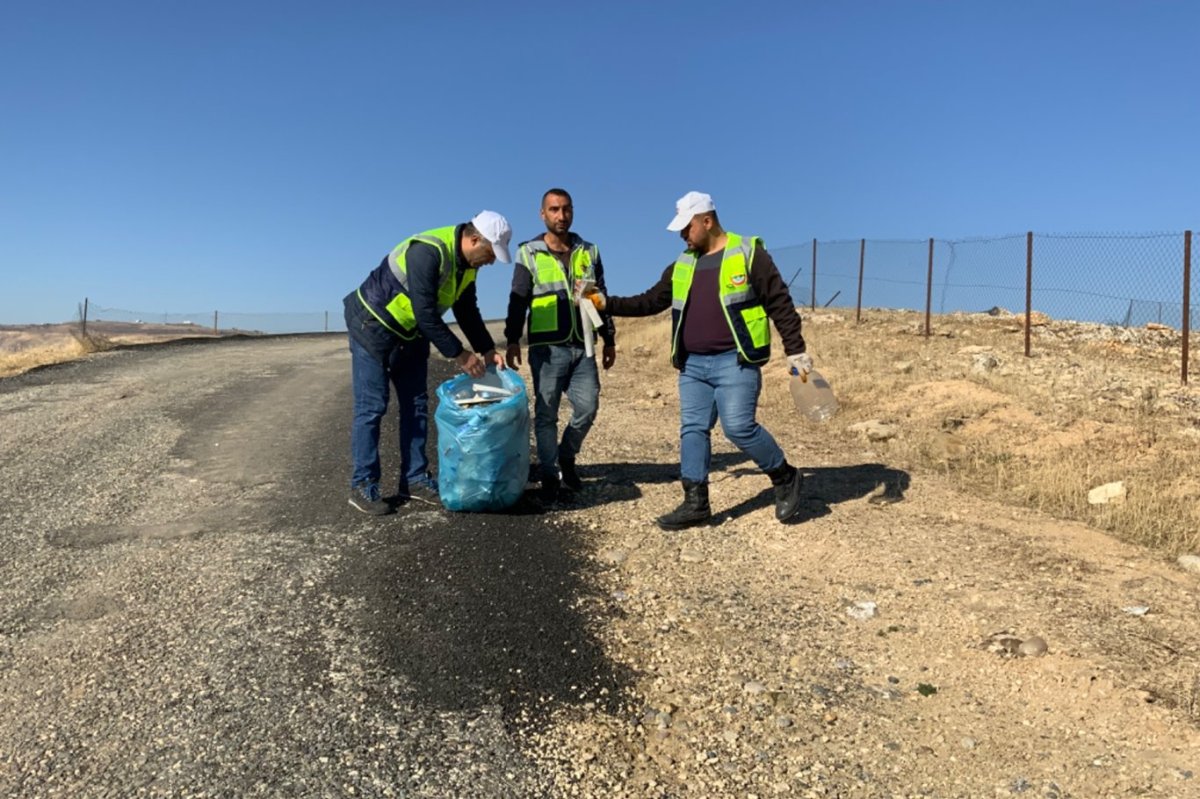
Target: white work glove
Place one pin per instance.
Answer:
(800, 364)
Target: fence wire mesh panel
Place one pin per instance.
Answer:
(979, 275)
(1122, 280)
(225, 321)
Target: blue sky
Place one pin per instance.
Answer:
(263, 157)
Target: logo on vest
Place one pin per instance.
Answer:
(737, 280)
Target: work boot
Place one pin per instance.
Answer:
(549, 490)
(570, 477)
(787, 480)
(693, 511)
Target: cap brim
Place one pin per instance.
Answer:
(501, 253)
(680, 222)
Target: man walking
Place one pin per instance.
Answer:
(721, 291)
(392, 318)
(543, 287)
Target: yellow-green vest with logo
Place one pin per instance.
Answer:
(744, 311)
(553, 314)
(397, 315)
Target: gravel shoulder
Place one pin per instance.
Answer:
(188, 607)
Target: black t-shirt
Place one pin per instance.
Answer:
(705, 329)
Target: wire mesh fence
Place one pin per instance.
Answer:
(1128, 280)
(223, 321)
(1125, 280)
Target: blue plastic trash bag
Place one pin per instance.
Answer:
(483, 443)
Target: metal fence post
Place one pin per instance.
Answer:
(813, 301)
(327, 321)
(862, 254)
(1028, 289)
(929, 291)
(83, 319)
(1187, 299)
(215, 328)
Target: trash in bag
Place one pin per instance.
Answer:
(483, 440)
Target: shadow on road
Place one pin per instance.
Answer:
(482, 610)
(823, 486)
(477, 610)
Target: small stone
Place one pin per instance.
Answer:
(1107, 494)
(1034, 646)
(1190, 563)
(754, 688)
(862, 610)
(783, 722)
(967, 743)
(613, 557)
(691, 556)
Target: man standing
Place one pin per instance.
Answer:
(391, 318)
(544, 278)
(721, 291)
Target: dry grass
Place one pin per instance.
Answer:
(28, 347)
(1039, 432)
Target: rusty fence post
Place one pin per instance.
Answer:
(1187, 299)
(813, 301)
(929, 291)
(1028, 288)
(862, 254)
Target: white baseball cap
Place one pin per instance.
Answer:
(688, 206)
(495, 228)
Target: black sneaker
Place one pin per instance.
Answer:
(426, 491)
(570, 477)
(365, 497)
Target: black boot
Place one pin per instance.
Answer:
(570, 477)
(787, 480)
(694, 510)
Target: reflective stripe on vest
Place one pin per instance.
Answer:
(400, 318)
(553, 318)
(744, 312)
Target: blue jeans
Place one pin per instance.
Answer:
(406, 368)
(715, 387)
(559, 368)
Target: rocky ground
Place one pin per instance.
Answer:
(902, 637)
(190, 609)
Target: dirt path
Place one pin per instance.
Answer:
(188, 607)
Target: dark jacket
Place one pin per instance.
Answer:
(521, 295)
(764, 278)
(422, 268)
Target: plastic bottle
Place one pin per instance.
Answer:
(813, 397)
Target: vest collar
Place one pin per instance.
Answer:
(538, 244)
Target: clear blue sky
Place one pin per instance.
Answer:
(259, 157)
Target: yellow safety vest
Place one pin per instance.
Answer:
(397, 315)
(553, 315)
(744, 311)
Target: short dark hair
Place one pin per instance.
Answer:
(559, 192)
(469, 229)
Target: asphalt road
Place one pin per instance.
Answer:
(189, 606)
